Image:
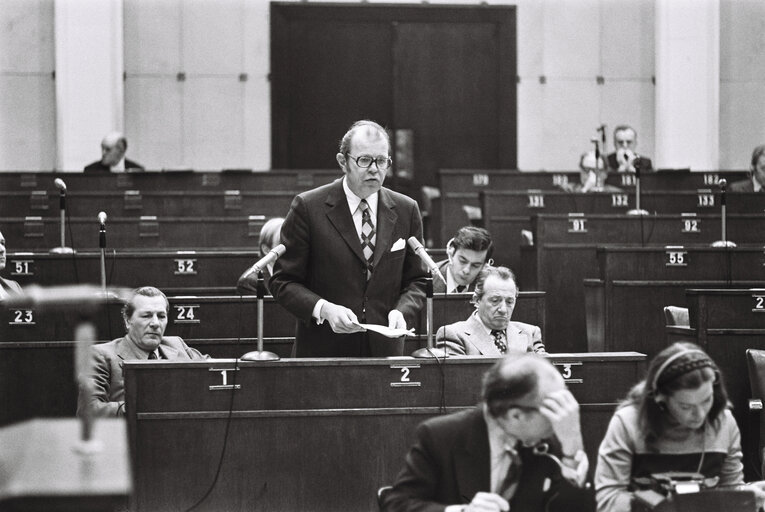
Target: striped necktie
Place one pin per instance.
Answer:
(368, 235)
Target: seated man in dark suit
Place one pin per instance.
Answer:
(756, 182)
(482, 458)
(625, 159)
(467, 253)
(102, 392)
(270, 237)
(113, 148)
(7, 286)
(489, 331)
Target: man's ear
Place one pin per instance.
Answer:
(341, 160)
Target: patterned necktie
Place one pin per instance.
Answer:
(500, 340)
(368, 235)
(153, 354)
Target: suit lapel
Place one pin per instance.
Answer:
(339, 216)
(128, 351)
(168, 351)
(472, 460)
(480, 338)
(386, 219)
(516, 340)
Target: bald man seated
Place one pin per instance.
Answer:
(113, 148)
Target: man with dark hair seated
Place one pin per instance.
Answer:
(521, 449)
(489, 330)
(102, 392)
(466, 253)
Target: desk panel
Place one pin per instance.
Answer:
(328, 440)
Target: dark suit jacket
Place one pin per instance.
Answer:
(645, 163)
(439, 286)
(323, 259)
(97, 166)
(450, 462)
(743, 186)
(10, 285)
(107, 396)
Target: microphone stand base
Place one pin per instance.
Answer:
(260, 355)
(637, 212)
(62, 250)
(723, 243)
(430, 353)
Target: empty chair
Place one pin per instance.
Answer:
(676, 316)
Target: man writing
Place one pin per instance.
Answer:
(521, 449)
(347, 260)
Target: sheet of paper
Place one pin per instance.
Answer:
(387, 331)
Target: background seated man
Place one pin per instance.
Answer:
(113, 148)
(756, 182)
(489, 331)
(270, 237)
(466, 255)
(102, 392)
(7, 286)
(625, 143)
(479, 459)
(592, 176)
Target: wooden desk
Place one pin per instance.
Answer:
(326, 440)
(636, 283)
(42, 471)
(726, 323)
(564, 254)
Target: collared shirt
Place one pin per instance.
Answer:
(119, 166)
(353, 207)
(451, 283)
(500, 443)
(757, 186)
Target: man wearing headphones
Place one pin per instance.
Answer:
(467, 253)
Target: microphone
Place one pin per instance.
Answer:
(273, 255)
(419, 250)
(102, 218)
(60, 184)
(723, 184)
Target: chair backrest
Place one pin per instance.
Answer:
(676, 316)
(755, 361)
(381, 492)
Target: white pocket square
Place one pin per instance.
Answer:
(398, 245)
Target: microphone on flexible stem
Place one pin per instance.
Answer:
(724, 242)
(102, 245)
(272, 256)
(61, 186)
(429, 351)
(420, 251)
(637, 162)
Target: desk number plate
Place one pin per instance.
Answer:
(619, 201)
(185, 267)
(22, 267)
(706, 199)
(22, 317)
(577, 223)
(480, 180)
(568, 371)
(404, 377)
(560, 180)
(186, 314)
(536, 199)
(628, 180)
(758, 305)
(676, 258)
(224, 376)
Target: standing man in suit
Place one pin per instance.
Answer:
(113, 148)
(7, 286)
(521, 449)
(466, 253)
(347, 260)
(755, 183)
(489, 331)
(102, 392)
(624, 158)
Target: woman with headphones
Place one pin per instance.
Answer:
(677, 419)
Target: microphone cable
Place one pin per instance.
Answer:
(230, 411)
(73, 253)
(108, 282)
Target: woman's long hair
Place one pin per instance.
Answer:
(678, 367)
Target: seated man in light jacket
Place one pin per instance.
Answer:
(489, 330)
(102, 388)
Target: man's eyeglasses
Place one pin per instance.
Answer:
(366, 161)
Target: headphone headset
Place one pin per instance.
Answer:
(704, 362)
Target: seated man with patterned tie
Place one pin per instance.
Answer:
(489, 330)
(521, 449)
(467, 253)
(102, 390)
(7, 286)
